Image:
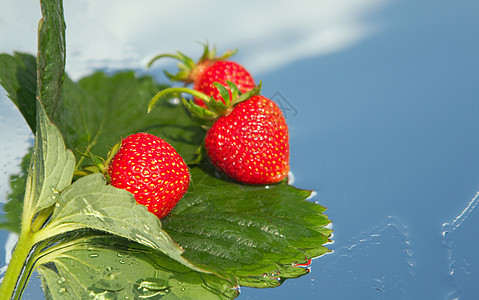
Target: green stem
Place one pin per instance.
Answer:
(161, 56)
(16, 265)
(41, 218)
(29, 269)
(167, 91)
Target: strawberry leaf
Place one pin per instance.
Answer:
(106, 266)
(251, 234)
(99, 110)
(51, 167)
(90, 203)
(18, 78)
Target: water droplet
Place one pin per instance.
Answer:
(111, 276)
(62, 290)
(122, 261)
(108, 269)
(58, 204)
(174, 101)
(61, 280)
(93, 255)
(119, 254)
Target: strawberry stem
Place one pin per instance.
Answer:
(161, 56)
(172, 90)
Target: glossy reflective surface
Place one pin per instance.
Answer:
(383, 127)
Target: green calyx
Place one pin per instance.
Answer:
(214, 109)
(187, 67)
(99, 165)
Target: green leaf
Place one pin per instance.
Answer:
(18, 78)
(99, 110)
(90, 203)
(51, 55)
(51, 167)
(108, 267)
(252, 234)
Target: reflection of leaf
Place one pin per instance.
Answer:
(90, 203)
(108, 267)
(250, 233)
(13, 208)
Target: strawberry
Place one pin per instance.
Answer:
(248, 136)
(151, 170)
(210, 69)
(250, 144)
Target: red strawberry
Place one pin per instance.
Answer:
(250, 144)
(210, 69)
(151, 170)
(248, 138)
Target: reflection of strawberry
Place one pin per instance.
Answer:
(151, 170)
(210, 69)
(248, 137)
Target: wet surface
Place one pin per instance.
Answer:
(377, 264)
(385, 131)
(462, 251)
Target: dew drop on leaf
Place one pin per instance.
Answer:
(61, 280)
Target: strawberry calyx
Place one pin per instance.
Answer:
(99, 164)
(188, 69)
(214, 109)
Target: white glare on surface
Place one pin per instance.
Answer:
(118, 34)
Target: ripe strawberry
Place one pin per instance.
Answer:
(250, 144)
(210, 69)
(151, 170)
(248, 137)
